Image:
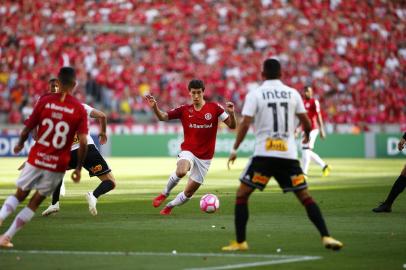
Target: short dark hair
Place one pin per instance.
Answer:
(67, 76)
(271, 69)
(307, 87)
(196, 84)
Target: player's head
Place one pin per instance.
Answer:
(53, 85)
(67, 78)
(271, 69)
(196, 90)
(308, 91)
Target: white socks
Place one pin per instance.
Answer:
(24, 216)
(307, 155)
(179, 200)
(172, 182)
(305, 160)
(9, 206)
(317, 159)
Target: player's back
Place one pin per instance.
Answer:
(58, 120)
(275, 107)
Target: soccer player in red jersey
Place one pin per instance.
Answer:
(58, 118)
(312, 107)
(199, 121)
(397, 187)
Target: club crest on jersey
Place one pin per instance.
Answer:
(207, 116)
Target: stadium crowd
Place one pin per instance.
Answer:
(352, 52)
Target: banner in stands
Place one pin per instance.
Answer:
(7, 143)
(169, 145)
(387, 146)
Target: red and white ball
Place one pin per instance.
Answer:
(209, 203)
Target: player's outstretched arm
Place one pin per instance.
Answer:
(82, 151)
(241, 133)
(162, 116)
(101, 116)
(307, 126)
(231, 122)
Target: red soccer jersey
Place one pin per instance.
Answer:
(312, 107)
(57, 123)
(199, 127)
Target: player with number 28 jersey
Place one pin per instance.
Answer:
(57, 124)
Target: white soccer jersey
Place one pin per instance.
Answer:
(274, 107)
(75, 144)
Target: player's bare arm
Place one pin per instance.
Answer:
(241, 133)
(82, 151)
(307, 126)
(231, 122)
(101, 116)
(23, 137)
(162, 116)
(321, 125)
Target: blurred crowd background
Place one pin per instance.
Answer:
(352, 52)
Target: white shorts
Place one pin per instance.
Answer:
(42, 180)
(312, 139)
(198, 167)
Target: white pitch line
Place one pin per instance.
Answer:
(246, 265)
(135, 253)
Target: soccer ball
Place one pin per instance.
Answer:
(209, 203)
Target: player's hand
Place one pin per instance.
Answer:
(231, 159)
(76, 174)
(151, 100)
(18, 148)
(21, 166)
(102, 138)
(229, 107)
(401, 144)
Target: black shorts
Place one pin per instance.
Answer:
(287, 173)
(94, 162)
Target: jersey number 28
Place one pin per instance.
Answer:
(59, 138)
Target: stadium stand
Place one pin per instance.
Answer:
(352, 52)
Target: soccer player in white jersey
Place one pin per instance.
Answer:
(94, 162)
(200, 121)
(274, 108)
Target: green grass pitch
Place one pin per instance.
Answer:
(129, 233)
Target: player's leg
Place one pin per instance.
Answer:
(241, 215)
(183, 197)
(183, 165)
(25, 182)
(23, 217)
(107, 184)
(11, 203)
(96, 165)
(197, 174)
(397, 188)
(254, 176)
(316, 217)
(54, 207)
